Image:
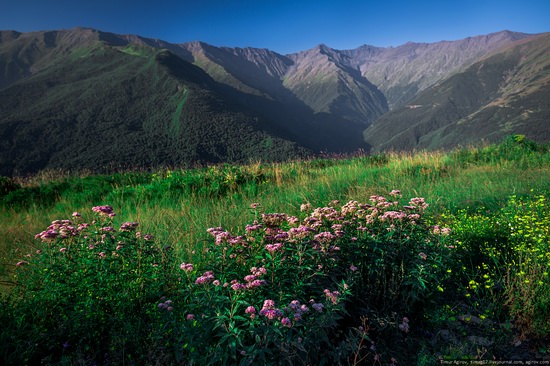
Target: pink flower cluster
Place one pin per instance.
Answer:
(270, 311)
(272, 248)
(207, 277)
(417, 203)
(442, 231)
(251, 281)
(166, 305)
(274, 220)
(332, 296)
(223, 237)
(62, 229)
(128, 226)
(104, 210)
(297, 309)
(188, 267)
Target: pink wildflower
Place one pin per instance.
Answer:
(190, 316)
(286, 322)
(395, 193)
(188, 267)
(104, 210)
(305, 207)
(332, 296)
(251, 310)
(273, 247)
(128, 226)
(205, 278)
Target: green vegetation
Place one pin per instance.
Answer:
(107, 107)
(323, 260)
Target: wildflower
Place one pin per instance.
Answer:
(190, 317)
(254, 227)
(63, 250)
(205, 278)
(395, 193)
(214, 230)
(273, 247)
(353, 268)
(249, 278)
(423, 255)
(271, 313)
(76, 214)
(332, 296)
(393, 215)
(216, 282)
(318, 307)
(305, 207)
(47, 235)
(104, 210)
(148, 237)
(222, 237)
(102, 255)
(107, 229)
(293, 220)
(286, 322)
(20, 263)
(38, 251)
(404, 326)
(258, 271)
(238, 286)
(188, 267)
(128, 226)
(251, 310)
(325, 237)
(254, 205)
(418, 202)
(274, 219)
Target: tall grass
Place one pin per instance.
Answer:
(178, 205)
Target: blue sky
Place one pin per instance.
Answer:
(281, 25)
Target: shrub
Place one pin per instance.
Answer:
(294, 290)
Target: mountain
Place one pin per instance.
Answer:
(401, 72)
(80, 102)
(503, 93)
(85, 99)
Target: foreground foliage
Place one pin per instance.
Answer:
(309, 280)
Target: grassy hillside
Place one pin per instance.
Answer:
(493, 198)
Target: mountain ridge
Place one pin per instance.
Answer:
(321, 99)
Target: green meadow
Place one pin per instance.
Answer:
(388, 259)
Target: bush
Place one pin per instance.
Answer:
(286, 290)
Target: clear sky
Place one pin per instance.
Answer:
(284, 26)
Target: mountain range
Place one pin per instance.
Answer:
(85, 99)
